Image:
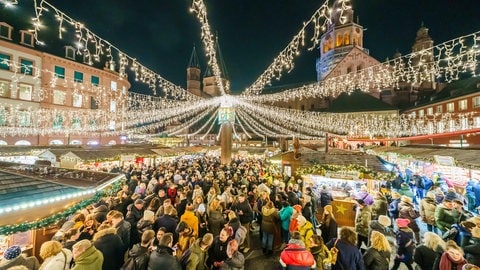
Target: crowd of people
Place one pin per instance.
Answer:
(195, 213)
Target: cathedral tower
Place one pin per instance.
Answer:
(210, 87)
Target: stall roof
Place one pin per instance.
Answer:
(465, 157)
(103, 154)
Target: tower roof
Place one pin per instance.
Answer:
(221, 63)
(194, 59)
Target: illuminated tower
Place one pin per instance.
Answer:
(210, 87)
(193, 74)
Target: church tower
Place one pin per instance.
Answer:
(423, 61)
(193, 74)
(341, 37)
(210, 87)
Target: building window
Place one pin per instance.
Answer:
(60, 72)
(476, 122)
(464, 123)
(95, 80)
(5, 31)
(430, 111)
(5, 61)
(4, 88)
(451, 125)
(439, 109)
(476, 102)
(70, 52)
(111, 125)
(58, 122)
(26, 38)
(113, 106)
(450, 107)
(462, 105)
(76, 123)
(349, 70)
(93, 103)
(430, 128)
(25, 91)
(77, 100)
(26, 67)
(421, 113)
(3, 116)
(113, 85)
(59, 97)
(23, 119)
(77, 76)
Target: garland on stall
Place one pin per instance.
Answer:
(321, 169)
(44, 222)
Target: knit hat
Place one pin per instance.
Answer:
(384, 220)
(296, 242)
(201, 208)
(450, 196)
(402, 222)
(12, 252)
(148, 215)
(301, 220)
(298, 208)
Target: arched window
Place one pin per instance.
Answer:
(56, 142)
(75, 142)
(23, 142)
(339, 40)
(3, 142)
(112, 142)
(346, 39)
(92, 143)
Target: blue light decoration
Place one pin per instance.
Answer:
(226, 115)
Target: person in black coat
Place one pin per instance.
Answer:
(163, 257)
(426, 254)
(472, 249)
(217, 253)
(377, 256)
(168, 221)
(111, 246)
(329, 226)
(134, 214)
(123, 228)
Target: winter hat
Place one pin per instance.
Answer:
(450, 196)
(298, 208)
(296, 242)
(406, 199)
(402, 222)
(12, 252)
(384, 220)
(201, 208)
(301, 220)
(148, 215)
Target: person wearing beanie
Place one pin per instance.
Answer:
(329, 226)
(146, 222)
(13, 257)
(405, 243)
(382, 225)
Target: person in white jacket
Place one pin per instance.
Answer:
(54, 256)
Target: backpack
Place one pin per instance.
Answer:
(184, 259)
(241, 234)
(334, 252)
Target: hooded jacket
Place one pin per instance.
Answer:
(285, 214)
(406, 210)
(163, 258)
(111, 246)
(269, 218)
(140, 255)
(60, 261)
(198, 257)
(306, 231)
(427, 210)
(295, 257)
(90, 259)
(192, 220)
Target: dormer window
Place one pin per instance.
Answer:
(5, 31)
(26, 38)
(70, 52)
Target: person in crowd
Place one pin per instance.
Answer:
(235, 260)
(363, 217)
(285, 214)
(54, 256)
(71, 237)
(463, 214)
(452, 257)
(146, 222)
(320, 252)
(306, 230)
(160, 232)
(379, 206)
(407, 211)
(190, 218)
(393, 206)
(405, 244)
(296, 256)
(154, 205)
(326, 197)
(86, 256)
(163, 257)
(100, 212)
(201, 214)
(470, 196)
(245, 213)
(89, 228)
(297, 211)
(406, 191)
(233, 220)
(269, 219)
(122, 227)
(186, 237)
(168, 220)
(217, 253)
(445, 216)
(377, 256)
(199, 253)
(427, 210)
(472, 247)
(216, 221)
(134, 214)
(313, 205)
(140, 252)
(426, 253)
(13, 256)
(109, 243)
(329, 226)
(382, 225)
(306, 202)
(349, 256)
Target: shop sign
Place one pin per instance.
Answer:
(444, 160)
(347, 175)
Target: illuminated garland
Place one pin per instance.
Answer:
(321, 169)
(44, 222)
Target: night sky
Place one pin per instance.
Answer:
(160, 34)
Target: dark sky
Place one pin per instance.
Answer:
(161, 33)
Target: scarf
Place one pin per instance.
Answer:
(446, 262)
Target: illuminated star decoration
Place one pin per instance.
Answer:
(341, 209)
